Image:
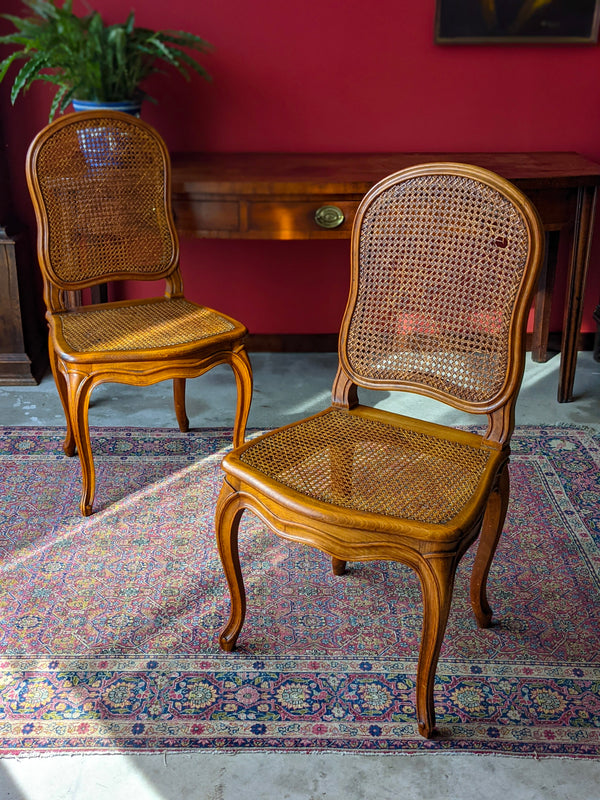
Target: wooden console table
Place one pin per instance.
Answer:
(282, 195)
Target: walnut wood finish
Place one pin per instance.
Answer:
(445, 259)
(276, 196)
(101, 187)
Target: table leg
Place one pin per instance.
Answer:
(578, 267)
(543, 299)
(99, 294)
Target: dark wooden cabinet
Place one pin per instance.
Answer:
(23, 350)
(23, 347)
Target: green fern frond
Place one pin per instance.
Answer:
(56, 102)
(91, 61)
(5, 64)
(26, 75)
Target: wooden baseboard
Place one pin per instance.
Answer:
(327, 342)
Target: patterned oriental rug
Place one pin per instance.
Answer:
(108, 640)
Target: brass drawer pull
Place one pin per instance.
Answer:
(329, 216)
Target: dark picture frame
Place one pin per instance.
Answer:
(517, 21)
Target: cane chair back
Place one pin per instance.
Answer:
(444, 262)
(439, 287)
(101, 187)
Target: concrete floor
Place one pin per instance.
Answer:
(287, 387)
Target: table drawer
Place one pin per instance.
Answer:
(214, 218)
(265, 218)
(297, 219)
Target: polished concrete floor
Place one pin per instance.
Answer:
(289, 386)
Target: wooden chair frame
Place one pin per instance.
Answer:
(78, 371)
(433, 550)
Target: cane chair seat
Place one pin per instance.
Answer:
(100, 182)
(158, 324)
(444, 263)
(373, 463)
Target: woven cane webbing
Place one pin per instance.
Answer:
(162, 323)
(103, 188)
(366, 465)
(441, 259)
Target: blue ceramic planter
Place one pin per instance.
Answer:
(133, 107)
(102, 145)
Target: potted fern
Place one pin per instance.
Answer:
(90, 62)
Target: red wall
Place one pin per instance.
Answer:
(344, 75)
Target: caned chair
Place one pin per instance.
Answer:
(444, 262)
(100, 183)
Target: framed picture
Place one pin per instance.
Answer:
(516, 21)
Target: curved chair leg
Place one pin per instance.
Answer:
(338, 566)
(437, 581)
(80, 388)
(242, 369)
(63, 393)
(493, 522)
(227, 520)
(179, 398)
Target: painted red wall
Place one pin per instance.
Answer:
(344, 75)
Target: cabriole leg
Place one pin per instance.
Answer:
(338, 566)
(493, 522)
(242, 369)
(227, 520)
(437, 581)
(80, 389)
(179, 398)
(63, 392)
